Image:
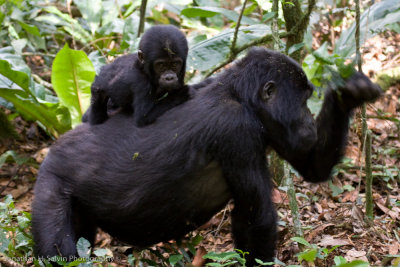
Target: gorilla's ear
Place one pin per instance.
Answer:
(140, 56)
(268, 90)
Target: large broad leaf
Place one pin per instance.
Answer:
(208, 53)
(207, 12)
(373, 21)
(18, 77)
(29, 28)
(51, 117)
(72, 75)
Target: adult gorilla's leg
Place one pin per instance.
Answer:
(52, 224)
(254, 215)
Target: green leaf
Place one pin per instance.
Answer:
(323, 54)
(221, 257)
(264, 263)
(18, 77)
(72, 76)
(110, 12)
(335, 189)
(345, 71)
(198, 12)
(4, 241)
(210, 11)
(30, 28)
(314, 104)
(196, 240)
(129, 37)
(174, 259)
(301, 240)
(55, 119)
(308, 255)
(101, 252)
(19, 44)
(355, 263)
(131, 259)
(339, 260)
(78, 262)
(13, 156)
(295, 48)
(83, 248)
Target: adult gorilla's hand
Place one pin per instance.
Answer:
(358, 90)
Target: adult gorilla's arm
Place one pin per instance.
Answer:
(332, 128)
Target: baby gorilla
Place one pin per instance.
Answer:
(147, 83)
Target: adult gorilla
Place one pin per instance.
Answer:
(156, 183)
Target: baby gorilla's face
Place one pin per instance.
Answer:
(167, 71)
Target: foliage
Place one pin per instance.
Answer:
(32, 100)
(377, 18)
(179, 254)
(15, 237)
(76, 42)
(312, 252)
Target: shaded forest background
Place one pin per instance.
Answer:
(50, 52)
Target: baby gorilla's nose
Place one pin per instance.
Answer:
(170, 77)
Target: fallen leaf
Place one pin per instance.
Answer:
(41, 154)
(356, 255)
(317, 231)
(350, 196)
(276, 196)
(357, 214)
(328, 240)
(19, 191)
(386, 210)
(394, 248)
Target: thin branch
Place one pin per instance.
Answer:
(119, 9)
(237, 28)
(142, 17)
(101, 39)
(41, 81)
(38, 54)
(267, 38)
(369, 205)
(275, 29)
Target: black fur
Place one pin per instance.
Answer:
(133, 86)
(156, 183)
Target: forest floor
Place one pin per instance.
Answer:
(331, 214)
